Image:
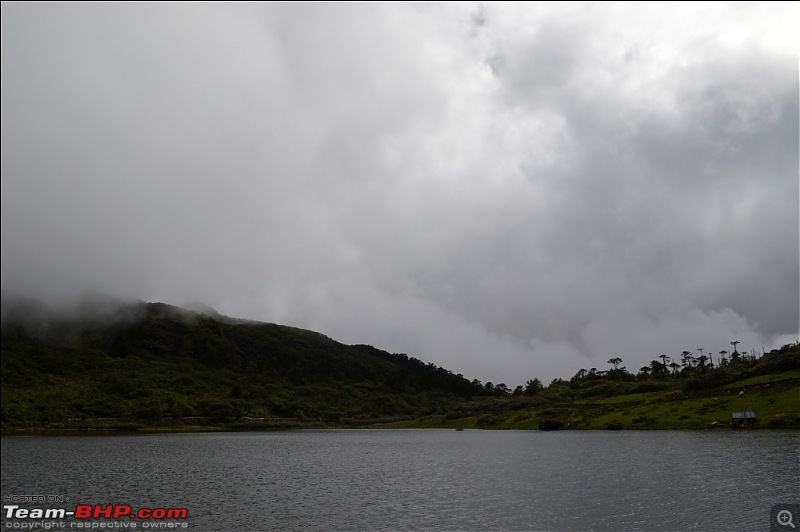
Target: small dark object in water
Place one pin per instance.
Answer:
(459, 429)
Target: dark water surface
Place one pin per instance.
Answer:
(420, 479)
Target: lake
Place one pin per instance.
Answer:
(416, 479)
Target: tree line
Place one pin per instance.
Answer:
(696, 369)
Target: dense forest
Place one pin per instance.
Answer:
(151, 362)
(129, 366)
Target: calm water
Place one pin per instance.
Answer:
(421, 479)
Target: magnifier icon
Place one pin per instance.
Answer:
(785, 518)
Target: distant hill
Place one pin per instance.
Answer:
(110, 364)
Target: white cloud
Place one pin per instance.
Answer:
(510, 191)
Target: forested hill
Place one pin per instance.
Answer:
(150, 363)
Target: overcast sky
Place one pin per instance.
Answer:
(506, 190)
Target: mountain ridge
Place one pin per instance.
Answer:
(154, 362)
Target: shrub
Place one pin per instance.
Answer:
(551, 424)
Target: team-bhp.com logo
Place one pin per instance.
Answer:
(117, 516)
(94, 511)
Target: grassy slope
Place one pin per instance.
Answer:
(775, 398)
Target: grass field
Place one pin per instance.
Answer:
(775, 398)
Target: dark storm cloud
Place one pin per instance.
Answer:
(508, 191)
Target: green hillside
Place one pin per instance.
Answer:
(151, 366)
(776, 402)
(692, 399)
